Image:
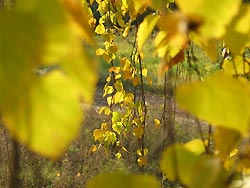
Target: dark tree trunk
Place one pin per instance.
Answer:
(15, 169)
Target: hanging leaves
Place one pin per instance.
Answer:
(33, 106)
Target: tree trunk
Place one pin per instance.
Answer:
(1, 3)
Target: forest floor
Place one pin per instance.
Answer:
(77, 164)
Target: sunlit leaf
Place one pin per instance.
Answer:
(110, 137)
(145, 29)
(79, 17)
(144, 72)
(100, 29)
(42, 117)
(115, 180)
(19, 53)
(214, 14)
(98, 135)
(195, 146)
(126, 31)
(237, 36)
(220, 100)
(142, 161)
(157, 123)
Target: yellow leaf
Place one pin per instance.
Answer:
(176, 27)
(118, 155)
(191, 170)
(98, 135)
(220, 100)
(119, 97)
(115, 180)
(145, 29)
(235, 66)
(114, 69)
(100, 29)
(237, 36)
(108, 90)
(144, 72)
(45, 99)
(100, 51)
(231, 136)
(215, 15)
(126, 31)
(127, 75)
(138, 132)
(93, 149)
(195, 146)
(136, 81)
(142, 161)
(157, 123)
(109, 100)
(79, 17)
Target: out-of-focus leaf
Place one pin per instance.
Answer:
(142, 161)
(225, 140)
(34, 108)
(145, 29)
(195, 146)
(138, 132)
(220, 100)
(237, 36)
(191, 170)
(214, 14)
(19, 53)
(79, 18)
(178, 163)
(236, 66)
(176, 27)
(47, 115)
(173, 61)
(115, 180)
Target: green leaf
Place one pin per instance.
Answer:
(47, 115)
(214, 14)
(115, 180)
(145, 29)
(221, 100)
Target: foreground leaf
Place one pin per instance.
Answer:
(220, 100)
(181, 165)
(145, 29)
(115, 180)
(215, 14)
(237, 36)
(47, 116)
